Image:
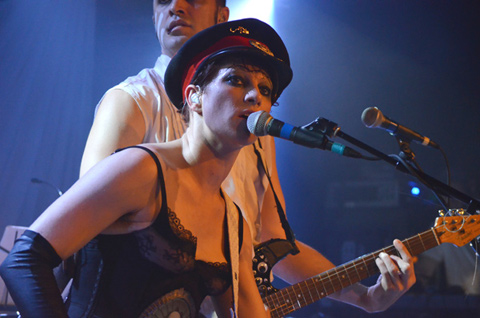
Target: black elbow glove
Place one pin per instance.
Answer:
(28, 275)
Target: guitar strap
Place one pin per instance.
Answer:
(281, 213)
(232, 229)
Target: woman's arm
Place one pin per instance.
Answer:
(310, 262)
(120, 189)
(28, 274)
(120, 186)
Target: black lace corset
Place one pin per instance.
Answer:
(123, 275)
(172, 247)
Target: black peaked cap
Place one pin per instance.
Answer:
(246, 37)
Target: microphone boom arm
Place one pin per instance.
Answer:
(442, 188)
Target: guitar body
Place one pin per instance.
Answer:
(268, 254)
(176, 304)
(458, 230)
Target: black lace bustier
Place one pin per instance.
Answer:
(172, 247)
(121, 275)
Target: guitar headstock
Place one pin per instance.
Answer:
(458, 228)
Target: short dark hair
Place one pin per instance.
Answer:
(222, 3)
(206, 74)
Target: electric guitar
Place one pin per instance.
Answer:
(458, 230)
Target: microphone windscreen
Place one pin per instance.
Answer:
(372, 117)
(257, 123)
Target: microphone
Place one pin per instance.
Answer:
(261, 123)
(372, 117)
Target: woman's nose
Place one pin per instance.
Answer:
(253, 97)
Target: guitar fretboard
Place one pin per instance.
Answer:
(311, 290)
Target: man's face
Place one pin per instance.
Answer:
(176, 21)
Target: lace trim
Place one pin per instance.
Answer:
(224, 266)
(179, 229)
(185, 234)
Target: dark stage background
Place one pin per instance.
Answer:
(418, 61)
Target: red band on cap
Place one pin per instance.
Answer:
(227, 42)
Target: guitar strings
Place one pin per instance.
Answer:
(476, 262)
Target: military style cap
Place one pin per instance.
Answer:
(245, 38)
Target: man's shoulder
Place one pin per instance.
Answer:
(148, 82)
(146, 78)
(146, 85)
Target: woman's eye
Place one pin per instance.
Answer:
(235, 80)
(266, 91)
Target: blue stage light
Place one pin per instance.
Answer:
(415, 191)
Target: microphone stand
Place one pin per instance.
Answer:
(331, 129)
(36, 180)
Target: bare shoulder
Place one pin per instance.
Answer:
(170, 153)
(137, 158)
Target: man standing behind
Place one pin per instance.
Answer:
(139, 111)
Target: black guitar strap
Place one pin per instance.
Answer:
(281, 213)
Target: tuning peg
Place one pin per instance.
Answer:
(452, 212)
(459, 212)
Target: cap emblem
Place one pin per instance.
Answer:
(240, 30)
(262, 47)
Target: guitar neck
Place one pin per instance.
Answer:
(307, 292)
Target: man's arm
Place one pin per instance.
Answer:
(117, 124)
(396, 277)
